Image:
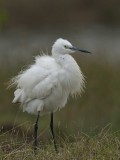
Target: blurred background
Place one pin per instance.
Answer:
(29, 27)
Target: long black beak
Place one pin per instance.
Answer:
(77, 49)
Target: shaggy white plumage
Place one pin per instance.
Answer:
(46, 85)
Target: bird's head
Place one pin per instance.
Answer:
(62, 46)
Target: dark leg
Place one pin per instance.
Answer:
(53, 136)
(35, 133)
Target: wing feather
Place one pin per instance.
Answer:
(37, 81)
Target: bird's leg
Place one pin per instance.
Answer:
(53, 136)
(35, 133)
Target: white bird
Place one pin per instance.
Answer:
(46, 85)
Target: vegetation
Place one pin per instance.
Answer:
(105, 145)
(39, 13)
(3, 19)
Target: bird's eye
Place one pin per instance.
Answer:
(65, 46)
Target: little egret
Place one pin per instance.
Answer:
(46, 85)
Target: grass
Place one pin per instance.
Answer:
(103, 146)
